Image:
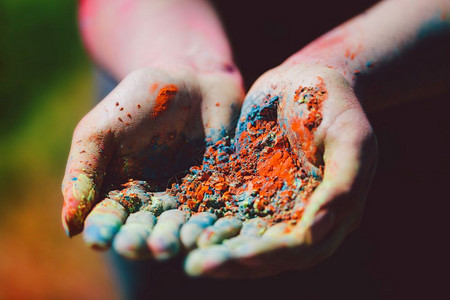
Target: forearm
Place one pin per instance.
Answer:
(396, 51)
(126, 35)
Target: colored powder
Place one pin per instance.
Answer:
(256, 174)
(305, 127)
(162, 100)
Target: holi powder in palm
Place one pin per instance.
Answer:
(256, 174)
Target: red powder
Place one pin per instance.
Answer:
(162, 101)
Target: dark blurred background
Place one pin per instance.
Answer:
(46, 86)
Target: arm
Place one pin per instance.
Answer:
(123, 36)
(396, 51)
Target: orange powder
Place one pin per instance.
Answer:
(305, 127)
(162, 101)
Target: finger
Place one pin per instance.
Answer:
(133, 196)
(164, 242)
(251, 229)
(224, 228)
(261, 257)
(221, 104)
(246, 261)
(254, 227)
(131, 240)
(277, 230)
(200, 260)
(160, 202)
(194, 227)
(242, 256)
(84, 174)
(103, 223)
(349, 157)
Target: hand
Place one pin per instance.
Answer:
(151, 126)
(343, 146)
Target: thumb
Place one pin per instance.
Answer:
(88, 158)
(222, 100)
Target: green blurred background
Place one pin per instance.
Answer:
(45, 88)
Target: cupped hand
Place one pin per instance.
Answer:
(333, 138)
(151, 127)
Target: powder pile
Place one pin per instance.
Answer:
(257, 174)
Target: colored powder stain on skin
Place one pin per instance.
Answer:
(83, 195)
(347, 53)
(255, 175)
(162, 101)
(153, 88)
(305, 125)
(369, 64)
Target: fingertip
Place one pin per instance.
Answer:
(71, 221)
(99, 237)
(131, 240)
(164, 242)
(223, 229)
(103, 223)
(202, 261)
(79, 198)
(192, 229)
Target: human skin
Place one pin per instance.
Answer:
(355, 61)
(395, 52)
(174, 51)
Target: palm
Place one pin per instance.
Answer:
(334, 136)
(152, 126)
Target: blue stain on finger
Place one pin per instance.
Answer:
(103, 223)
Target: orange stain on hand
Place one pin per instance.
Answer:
(305, 127)
(153, 88)
(162, 101)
